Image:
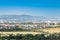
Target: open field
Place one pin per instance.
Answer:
(34, 31)
(15, 33)
(49, 30)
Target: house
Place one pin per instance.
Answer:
(7, 26)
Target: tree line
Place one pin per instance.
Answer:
(31, 37)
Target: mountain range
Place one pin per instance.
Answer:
(25, 18)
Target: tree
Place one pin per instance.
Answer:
(28, 37)
(39, 37)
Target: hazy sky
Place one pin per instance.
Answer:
(47, 8)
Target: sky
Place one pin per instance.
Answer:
(48, 8)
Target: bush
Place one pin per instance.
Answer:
(28, 37)
(31, 37)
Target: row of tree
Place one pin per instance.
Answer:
(31, 37)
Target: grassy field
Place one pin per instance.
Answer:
(48, 30)
(34, 31)
(15, 33)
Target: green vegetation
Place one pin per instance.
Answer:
(13, 30)
(31, 37)
(34, 34)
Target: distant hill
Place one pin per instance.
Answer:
(20, 17)
(24, 18)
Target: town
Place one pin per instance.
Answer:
(28, 25)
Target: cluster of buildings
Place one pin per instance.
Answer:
(28, 25)
(7, 26)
